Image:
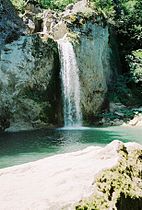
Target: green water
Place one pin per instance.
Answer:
(21, 147)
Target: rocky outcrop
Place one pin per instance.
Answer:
(120, 114)
(29, 74)
(11, 26)
(91, 38)
(95, 49)
(136, 121)
(93, 55)
(103, 178)
(121, 186)
(29, 83)
(29, 66)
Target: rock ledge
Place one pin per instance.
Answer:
(100, 178)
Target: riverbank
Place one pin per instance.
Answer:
(120, 115)
(61, 181)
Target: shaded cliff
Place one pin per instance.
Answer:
(29, 82)
(29, 75)
(11, 26)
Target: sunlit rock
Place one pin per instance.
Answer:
(93, 178)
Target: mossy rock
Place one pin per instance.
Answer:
(119, 187)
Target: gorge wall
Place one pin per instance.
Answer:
(29, 82)
(96, 72)
(30, 68)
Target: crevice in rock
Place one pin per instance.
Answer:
(128, 203)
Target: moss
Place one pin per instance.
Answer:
(40, 47)
(118, 187)
(74, 38)
(138, 53)
(88, 16)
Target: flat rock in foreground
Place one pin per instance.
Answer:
(61, 181)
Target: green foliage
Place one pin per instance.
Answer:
(52, 4)
(126, 16)
(119, 91)
(104, 6)
(126, 91)
(19, 4)
(129, 26)
(135, 64)
(115, 185)
(55, 4)
(124, 114)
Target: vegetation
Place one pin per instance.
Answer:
(115, 188)
(55, 4)
(135, 65)
(52, 4)
(126, 18)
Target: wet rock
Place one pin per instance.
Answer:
(90, 37)
(113, 107)
(29, 82)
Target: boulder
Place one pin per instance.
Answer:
(119, 187)
(93, 178)
(136, 121)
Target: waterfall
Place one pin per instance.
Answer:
(70, 84)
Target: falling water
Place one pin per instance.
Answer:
(70, 84)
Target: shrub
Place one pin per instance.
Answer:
(53, 4)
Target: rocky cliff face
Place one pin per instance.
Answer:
(29, 75)
(91, 38)
(29, 83)
(93, 55)
(29, 65)
(11, 26)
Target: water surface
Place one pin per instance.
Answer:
(25, 146)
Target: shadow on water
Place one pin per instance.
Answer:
(26, 146)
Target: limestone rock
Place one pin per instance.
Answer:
(11, 25)
(136, 121)
(29, 82)
(25, 68)
(100, 178)
(121, 186)
(91, 39)
(93, 55)
(113, 107)
(60, 30)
